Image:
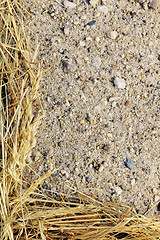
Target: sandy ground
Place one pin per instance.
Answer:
(101, 99)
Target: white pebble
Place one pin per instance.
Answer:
(48, 99)
(114, 104)
(96, 61)
(133, 181)
(29, 160)
(118, 190)
(66, 31)
(109, 135)
(93, 3)
(36, 153)
(97, 109)
(82, 43)
(112, 99)
(104, 102)
(97, 39)
(156, 198)
(119, 82)
(69, 5)
(102, 9)
(88, 39)
(112, 34)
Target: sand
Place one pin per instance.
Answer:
(91, 124)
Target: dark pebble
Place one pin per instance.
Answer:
(106, 148)
(91, 23)
(129, 163)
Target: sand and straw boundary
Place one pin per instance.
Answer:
(25, 212)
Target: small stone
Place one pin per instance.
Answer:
(118, 190)
(106, 148)
(97, 109)
(68, 67)
(126, 103)
(82, 121)
(91, 23)
(102, 9)
(48, 99)
(69, 5)
(114, 104)
(156, 198)
(109, 135)
(119, 82)
(101, 168)
(154, 4)
(97, 39)
(66, 31)
(133, 181)
(29, 160)
(63, 172)
(112, 34)
(82, 43)
(67, 103)
(97, 14)
(88, 39)
(129, 163)
(36, 153)
(154, 190)
(96, 61)
(93, 3)
(145, 6)
(104, 102)
(112, 99)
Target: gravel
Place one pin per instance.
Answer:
(129, 163)
(86, 110)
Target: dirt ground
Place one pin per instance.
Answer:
(101, 99)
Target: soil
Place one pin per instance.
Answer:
(91, 125)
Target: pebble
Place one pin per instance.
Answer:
(126, 103)
(106, 147)
(112, 99)
(156, 198)
(154, 4)
(154, 190)
(109, 135)
(129, 163)
(97, 39)
(91, 23)
(118, 190)
(93, 3)
(112, 34)
(97, 14)
(102, 9)
(119, 82)
(82, 43)
(66, 31)
(69, 5)
(96, 61)
(29, 160)
(133, 181)
(88, 39)
(36, 153)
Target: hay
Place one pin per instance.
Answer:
(26, 213)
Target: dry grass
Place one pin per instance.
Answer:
(26, 213)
